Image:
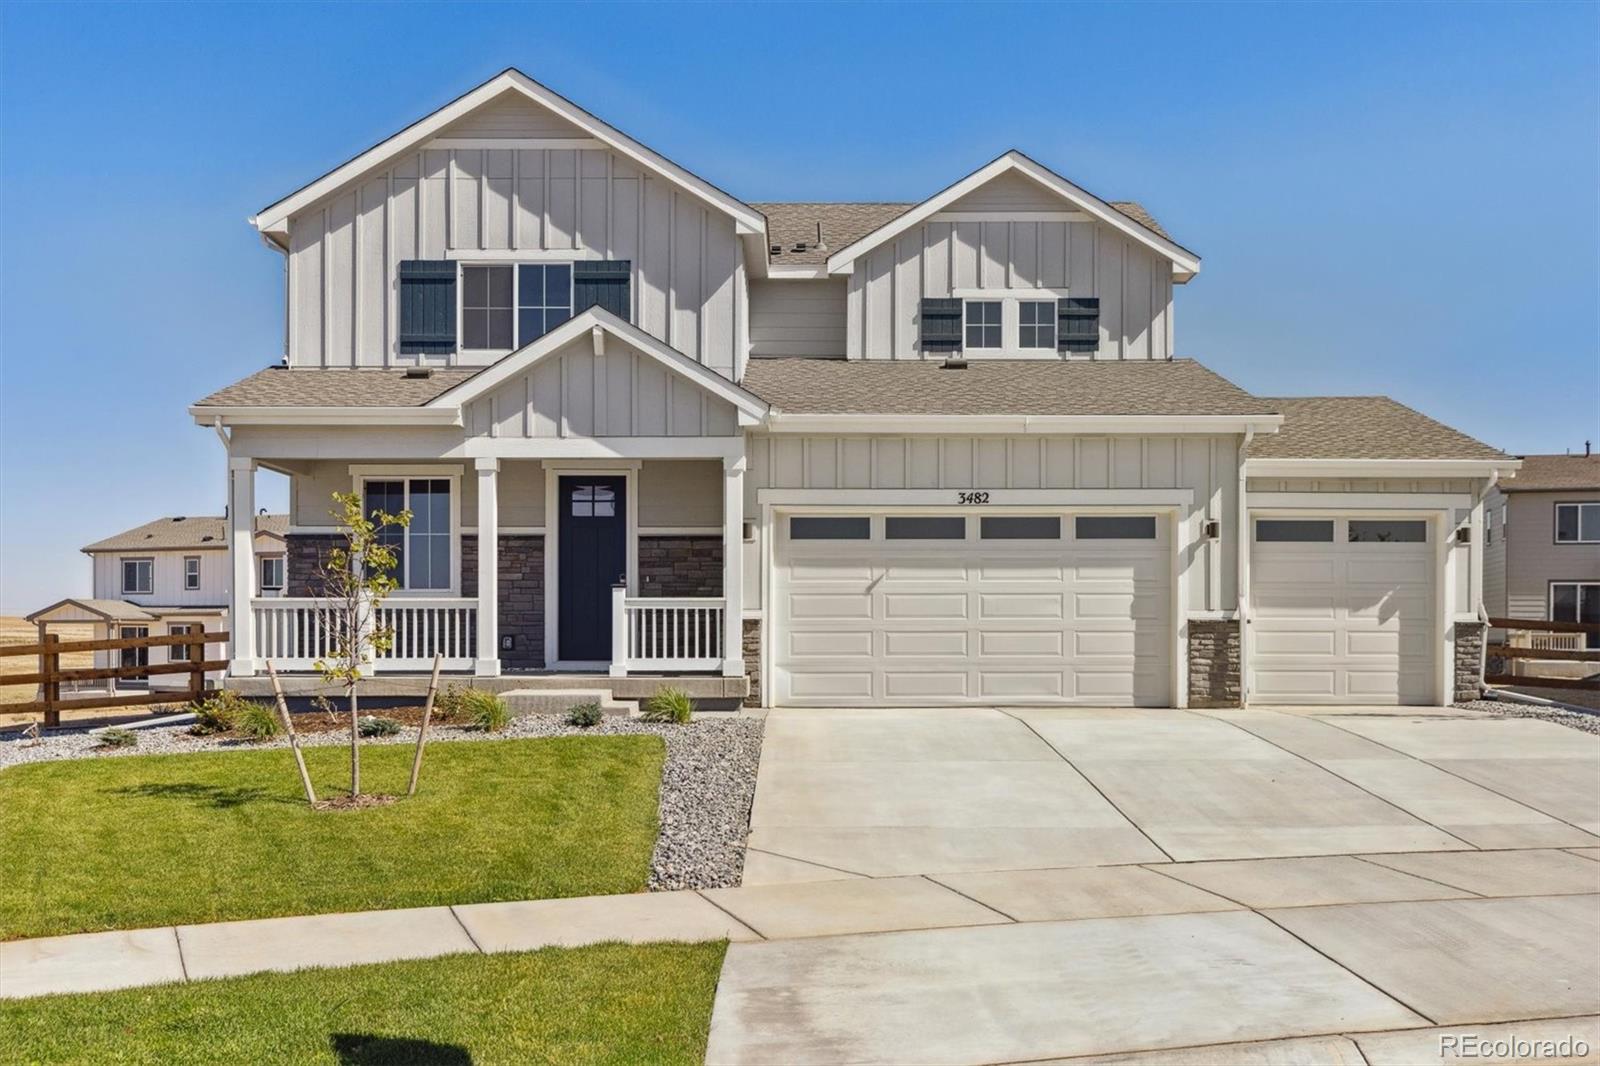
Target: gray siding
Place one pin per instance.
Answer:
(1134, 284)
(1494, 554)
(798, 317)
(462, 203)
(1534, 559)
(1207, 465)
(574, 393)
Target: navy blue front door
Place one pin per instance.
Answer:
(593, 557)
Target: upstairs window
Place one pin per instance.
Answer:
(138, 577)
(1578, 523)
(983, 324)
(272, 573)
(544, 299)
(1036, 324)
(505, 306)
(486, 306)
(191, 573)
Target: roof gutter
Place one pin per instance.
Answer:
(779, 421)
(1379, 468)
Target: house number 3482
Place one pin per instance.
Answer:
(972, 497)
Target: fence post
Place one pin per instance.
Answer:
(197, 659)
(50, 666)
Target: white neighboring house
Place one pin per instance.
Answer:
(165, 577)
(822, 453)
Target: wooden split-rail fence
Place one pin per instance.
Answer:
(51, 676)
(1530, 641)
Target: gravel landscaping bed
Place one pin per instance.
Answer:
(708, 780)
(1587, 721)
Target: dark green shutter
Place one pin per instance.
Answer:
(428, 306)
(940, 325)
(602, 284)
(1078, 324)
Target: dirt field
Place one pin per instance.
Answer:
(14, 631)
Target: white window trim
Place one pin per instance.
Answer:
(986, 350)
(122, 575)
(1010, 301)
(360, 475)
(473, 356)
(283, 569)
(195, 559)
(1578, 586)
(178, 653)
(1579, 505)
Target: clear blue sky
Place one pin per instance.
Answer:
(1388, 198)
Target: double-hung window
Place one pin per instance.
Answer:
(983, 324)
(1578, 523)
(505, 306)
(422, 549)
(179, 653)
(272, 573)
(138, 577)
(1576, 601)
(1036, 324)
(191, 573)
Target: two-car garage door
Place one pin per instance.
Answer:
(1341, 610)
(965, 608)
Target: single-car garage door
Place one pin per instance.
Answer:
(962, 608)
(1341, 610)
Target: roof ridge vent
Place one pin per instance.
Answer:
(418, 372)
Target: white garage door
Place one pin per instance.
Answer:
(961, 608)
(1342, 610)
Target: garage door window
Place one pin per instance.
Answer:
(1116, 527)
(1021, 527)
(1367, 531)
(829, 528)
(1294, 531)
(929, 527)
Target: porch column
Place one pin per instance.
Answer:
(242, 559)
(488, 664)
(733, 567)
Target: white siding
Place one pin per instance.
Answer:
(512, 115)
(797, 317)
(623, 393)
(1134, 284)
(344, 252)
(1206, 465)
(167, 586)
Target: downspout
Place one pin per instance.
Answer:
(1242, 593)
(1481, 549)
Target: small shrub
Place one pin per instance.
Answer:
(117, 737)
(486, 710)
(256, 721)
(449, 703)
(584, 715)
(668, 705)
(217, 713)
(370, 725)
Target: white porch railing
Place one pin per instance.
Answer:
(665, 633)
(1547, 641)
(294, 632)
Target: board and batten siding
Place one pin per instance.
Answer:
(167, 577)
(466, 203)
(1206, 465)
(1133, 283)
(798, 317)
(575, 393)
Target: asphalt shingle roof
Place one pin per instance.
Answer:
(1555, 473)
(279, 386)
(842, 224)
(1362, 427)
(184, 531)
(997, 387)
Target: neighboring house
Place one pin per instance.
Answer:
(1542, 537)
(166, 577)
(935, 452)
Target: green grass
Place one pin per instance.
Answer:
(611, 1003)
(92, 844)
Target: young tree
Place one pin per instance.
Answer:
(355, 580)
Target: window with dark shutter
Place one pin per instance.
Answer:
(940, 325)
(1078, 324)
(602, 284)
(428, 306)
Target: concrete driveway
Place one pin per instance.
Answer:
(1145, 880)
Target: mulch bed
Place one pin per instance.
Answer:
(339, 720)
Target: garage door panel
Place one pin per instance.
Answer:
(1291, 570)
(1295, 642)
(1282, 683)
(829, 606)
(947, 644)
(1105, 642)
(925, 571)
(1004, 570)
(950, 605)
(1003, 643)
(1004, 686)
(923, 684)
(831, 685)
(830, 644)
(804, 571)
(1005, 606)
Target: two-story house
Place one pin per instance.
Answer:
(164, 578)
(1542, 541)
(821, 453)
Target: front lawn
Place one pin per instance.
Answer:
(612, 1003)
(90, 844)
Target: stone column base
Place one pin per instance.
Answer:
(1214, 662)
(752, 660)
(1469, 661)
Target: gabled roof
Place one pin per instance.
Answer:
(1555, 473)
(334, 388)
(1185, 264)
(184, 531)
(273, 219)
(1363, 427)
(599, 322)
(110, 610)
(793, 228)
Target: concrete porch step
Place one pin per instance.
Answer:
(561, 700)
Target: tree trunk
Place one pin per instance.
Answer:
(355, 745)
